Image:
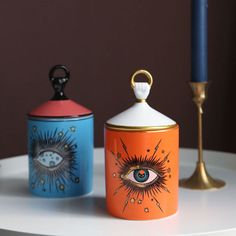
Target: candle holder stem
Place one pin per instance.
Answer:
(200, 152)
(200, 179)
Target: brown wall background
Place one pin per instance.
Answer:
(103, 43)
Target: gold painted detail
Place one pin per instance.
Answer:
(144, 72)
(140, 128)
(146, 210)
(132, 200)
(140, 100)
(200, 179)
(139, 201)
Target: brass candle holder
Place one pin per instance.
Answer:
(200, 179)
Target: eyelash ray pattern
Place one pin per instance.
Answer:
(55, 142)
(151, 162)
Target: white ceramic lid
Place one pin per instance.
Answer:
(141, 114)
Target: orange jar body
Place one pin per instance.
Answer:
(142, 172)
(141, 159)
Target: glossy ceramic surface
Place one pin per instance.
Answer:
(141, 157)
(60, 108)
(142, 173)
(60, 156)
(60, 143)
(140, 115)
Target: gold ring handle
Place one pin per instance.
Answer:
(144, 72)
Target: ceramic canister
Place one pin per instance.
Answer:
(141, 160)
(60, 144)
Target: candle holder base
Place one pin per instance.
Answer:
(201, 180)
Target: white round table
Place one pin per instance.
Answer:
(200, 212)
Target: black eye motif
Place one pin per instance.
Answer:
(52, 160)
(142, 176)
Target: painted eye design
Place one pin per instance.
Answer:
(49, 159)
(142, 176)
(53, 159)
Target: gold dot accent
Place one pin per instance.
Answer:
(66, 146)
(60, 133)
(72, 129)
(62, 187)
(132, 200)
(139, 201)
(114, 174)
(146, 210)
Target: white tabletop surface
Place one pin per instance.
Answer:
(200, 212)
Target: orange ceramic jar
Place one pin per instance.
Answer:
(141, 160)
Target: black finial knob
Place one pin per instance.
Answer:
(59, 83)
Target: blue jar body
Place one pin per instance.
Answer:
(60, 156)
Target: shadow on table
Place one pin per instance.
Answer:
(94, 206)
(14, 233)
(89, 205)
(14, 187)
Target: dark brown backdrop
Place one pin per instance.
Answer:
(103, 42)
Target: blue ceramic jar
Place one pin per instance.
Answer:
(60, 144)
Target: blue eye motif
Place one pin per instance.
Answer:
(141, 176)
(50, 159)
